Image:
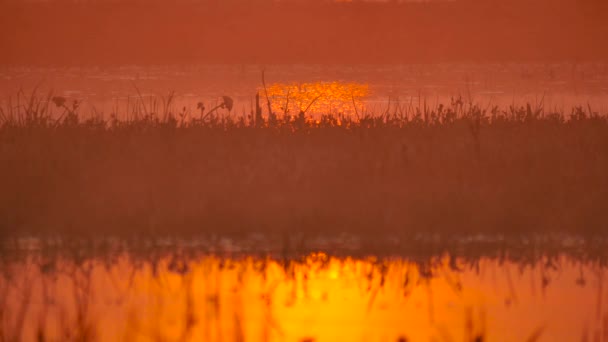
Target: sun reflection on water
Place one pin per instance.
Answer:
(315, 298)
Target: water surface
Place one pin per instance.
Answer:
(187, 293)
(373, 87)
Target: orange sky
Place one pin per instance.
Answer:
(125, 32)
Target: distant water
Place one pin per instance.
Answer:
(106, 90)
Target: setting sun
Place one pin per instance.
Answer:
(318, 97)
(304, 170)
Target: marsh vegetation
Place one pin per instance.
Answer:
(455, 167)
(353, 196)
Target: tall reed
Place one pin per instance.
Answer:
(458, 167)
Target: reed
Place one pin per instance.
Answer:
(457, 167)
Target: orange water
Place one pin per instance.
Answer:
(373, 88)
(316, 298)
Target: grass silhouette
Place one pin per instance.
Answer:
(452, 168)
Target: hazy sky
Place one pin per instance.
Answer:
(109, 32)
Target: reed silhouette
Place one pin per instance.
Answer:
(453, 168)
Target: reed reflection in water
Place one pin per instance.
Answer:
(314, 298)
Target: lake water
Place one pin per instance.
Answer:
(220, 289)
(374, 87)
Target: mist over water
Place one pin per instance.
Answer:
(303, 170)
(378, 87)
(309, 32)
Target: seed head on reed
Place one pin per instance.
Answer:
(59, 101)
(227, 103)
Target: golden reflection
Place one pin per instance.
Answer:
(317, 298)
(317, 97)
